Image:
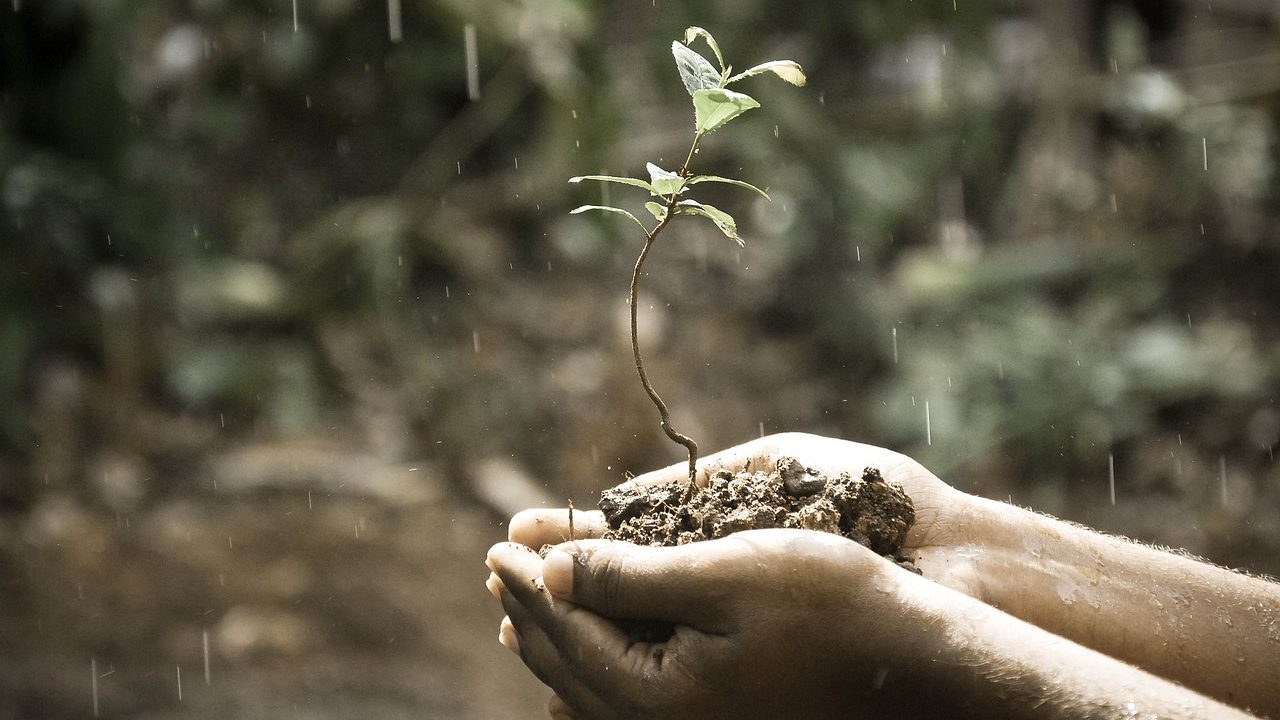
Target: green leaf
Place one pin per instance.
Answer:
(634, 182)
(716, 178)
(785, 69)
(695, 32)
(713, 108)
(722, 219)
(664, 182)
(695, 71)
(659, 211)
(607, 208)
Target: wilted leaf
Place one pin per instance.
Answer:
(713, 108)
(664, 182)
(722, 219)
(785, 69)
(695, 71)
(607, 208)
(730, 181)
(634, 182)
(693, 33)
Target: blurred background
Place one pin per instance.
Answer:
(294, 316)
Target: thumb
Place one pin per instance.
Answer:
(619, 580)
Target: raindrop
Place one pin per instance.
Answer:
(204, 640)
(895, 346)
(928, 428)
(761, 428)
(1114, 207)
(17, 6)
(308, 99)
(1222, 475)
(473, 61)
(475, 339)
(295, 15)
(857, 252)
(1204, 146)
(93, 662)
(179, 669)
(1111, 475)
(394, 29)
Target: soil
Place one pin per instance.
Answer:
(868, 509)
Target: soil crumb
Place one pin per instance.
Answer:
(867, 509)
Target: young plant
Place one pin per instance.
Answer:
(714, 105)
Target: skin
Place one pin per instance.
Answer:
(1016, 614)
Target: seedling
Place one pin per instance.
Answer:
(714, 105)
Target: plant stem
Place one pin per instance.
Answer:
(670, 431)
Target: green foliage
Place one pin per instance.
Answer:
(714, 106)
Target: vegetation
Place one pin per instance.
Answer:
(714, 105)
(1052, 225)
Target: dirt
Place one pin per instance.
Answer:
(868, 509)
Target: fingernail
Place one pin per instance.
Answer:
(507, 636)
(495, 586)
(557, 573)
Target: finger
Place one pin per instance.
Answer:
(565, 673)
(682, 585)
(550, 526)
(493, 584)
(558, 709)
(507, 635)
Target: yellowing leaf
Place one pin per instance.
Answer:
(693, 33)
(785, 69)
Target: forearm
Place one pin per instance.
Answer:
(1211, 629)
(980, 662)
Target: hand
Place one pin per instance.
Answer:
(940, 541)
(767, 623)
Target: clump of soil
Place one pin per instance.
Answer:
(867, 509)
